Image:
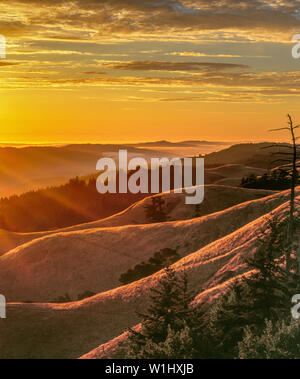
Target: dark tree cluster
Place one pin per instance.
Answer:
(67, 298)
(156, 212)
(275, 180)
(76, 202)
(160, 260)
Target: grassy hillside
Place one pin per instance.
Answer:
(249, 154)
(93, 259)
(216, 198)
(78, 201)
(72, 330)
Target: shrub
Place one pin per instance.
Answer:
(160, 260)
(85, 295)
(279, 340)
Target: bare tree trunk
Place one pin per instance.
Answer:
(298, 256)
(294, 180)
(291, 227)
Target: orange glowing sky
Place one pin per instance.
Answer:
(137, 70)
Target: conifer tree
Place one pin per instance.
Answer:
(265, 294)
(279, 340)
(168, 317)
(155, 211)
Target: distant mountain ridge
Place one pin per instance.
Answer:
(190, 143)
(29, 168)
(259, 155)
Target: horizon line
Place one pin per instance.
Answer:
(131, 142)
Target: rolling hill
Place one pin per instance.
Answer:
(248, 154)
(217, 245)
(54, 207)
(231, 174)
(93, 259)
(33, 167)
(216, 198)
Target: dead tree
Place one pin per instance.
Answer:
(289, 159)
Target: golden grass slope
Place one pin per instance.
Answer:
(216, 198)
(232, 174)
(93, 259)
(72, 330)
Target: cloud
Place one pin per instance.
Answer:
(173, 66)
(66, 25)
(51, 52)
(271, 84)
(94, 73)
(83, 19)
(196, 54)
(6, 63)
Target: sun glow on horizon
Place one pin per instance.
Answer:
(73, 81)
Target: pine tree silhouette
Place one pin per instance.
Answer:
(168, 316)
(155, 211)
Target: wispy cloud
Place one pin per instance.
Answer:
(196, 54)
(91, 19)
(173, 66)
(6, 63)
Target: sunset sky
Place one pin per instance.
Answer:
(138, 70)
